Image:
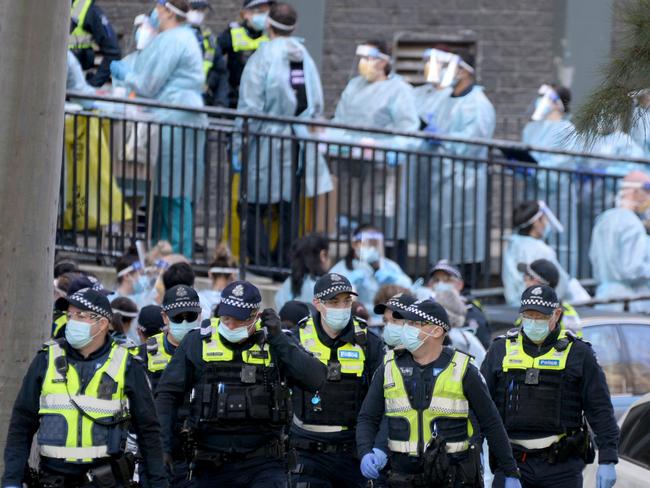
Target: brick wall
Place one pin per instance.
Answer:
(515, 45)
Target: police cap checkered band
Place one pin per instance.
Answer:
(187, 306)
(540, 302)
(540, 298)
(89, 300)
(241, 304)
(426, 311)
(181, 298)
(401, 301)
(330, 285)
(446, 267)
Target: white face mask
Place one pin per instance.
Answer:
(337, 318)
(195, 17)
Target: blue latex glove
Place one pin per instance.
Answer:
(372, 463)
(119, 70)
(391, 159)
(606, 476)
(432, 129)
(512, 483)
(236, 163)
(384, 276)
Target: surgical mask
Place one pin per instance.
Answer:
(140, 285)
(234, 336)
(392, 334)
(369, 254)
(154, 20)
(258, 22)
(535, 330)
(443, 286)
(132, 334)
(410, 338)
(179, 331)
(195, 17)
(548, 230)
(368, 69)
(77, 333)
(337, 318)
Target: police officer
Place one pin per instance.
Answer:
(447, 276)
(237, 43)
(60, 317)
(236, 369)
(88, 24)
(545, 382)
(79, 395)
(392, 333)
(427, 393)
(324, 422)
(544, 272)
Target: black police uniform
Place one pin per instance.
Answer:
(234, 66)
(238, 409)
(97, 24)
(328, 459)
(540, 403)
(25, 419)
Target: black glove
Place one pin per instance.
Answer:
(271, 322)
(168, 462)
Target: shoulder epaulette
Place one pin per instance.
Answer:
(572, 336)
(303, 321)
(206, 330)
(361, 322)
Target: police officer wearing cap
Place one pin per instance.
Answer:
(392, 333)
(80, 395)
(544, 272)
(445, 276)
(427, 393)
(546, 382)
(238, 369)
(323, 429)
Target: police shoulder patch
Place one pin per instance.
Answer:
(573, 337)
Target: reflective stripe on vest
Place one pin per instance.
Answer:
(241, 41)
(215, 350)
(79, 37)
(59, 324)
(570, 319)
(157, 357)
(516, 357)
(350, 356)
(209, 49)
(55, 400)
(447, 401)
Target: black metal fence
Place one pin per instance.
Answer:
(137, 170)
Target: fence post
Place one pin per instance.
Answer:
(243, 199)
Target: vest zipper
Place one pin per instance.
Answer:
(420, 433)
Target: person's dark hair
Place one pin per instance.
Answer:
(521, 214)
(64, 281)
(386, 292)
(178, 274)
(383, 48)
(65, 266)
(124, 262)
(305, 260)
(349, 257)
(222, 259)
(181, 5)
(565, 96)
(119, 321)
(359, 310)
(284, 14)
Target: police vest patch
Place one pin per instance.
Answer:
(349, 354)
(549, 362)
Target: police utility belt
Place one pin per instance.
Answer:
(556, 448)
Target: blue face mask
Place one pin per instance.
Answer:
(337, 318)
(154, 20)
(140, 285)
(392, 334)
(235, 336)
(77, 333)
(535, 330)
(179, 331)
(258, 22)
(411, 338)
(443, 286)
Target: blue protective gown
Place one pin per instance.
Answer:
(209, 299)
(526, 249)
(557, 134)
(428, 100)
(170, 70)
(284, 293)
(366, 281)
(265, 89)
(640, 132)
(620, 256)
(75, 78)
(457, 195)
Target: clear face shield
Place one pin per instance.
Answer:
(370, 64)
(544, 211)
(625, 198)
(547, 101)
(441, 68)
(371, 246)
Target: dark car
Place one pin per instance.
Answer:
(620, 341)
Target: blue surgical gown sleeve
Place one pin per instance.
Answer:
(633, 245)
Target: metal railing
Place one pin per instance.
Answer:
(151, 171)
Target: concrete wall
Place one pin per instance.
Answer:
(515, 39)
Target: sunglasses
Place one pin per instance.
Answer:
(189, 316)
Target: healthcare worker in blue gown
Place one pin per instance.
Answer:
(620, 245)
(458, 193)
(280, 79)
(170, 70)
(376, 98)
(550, 127)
